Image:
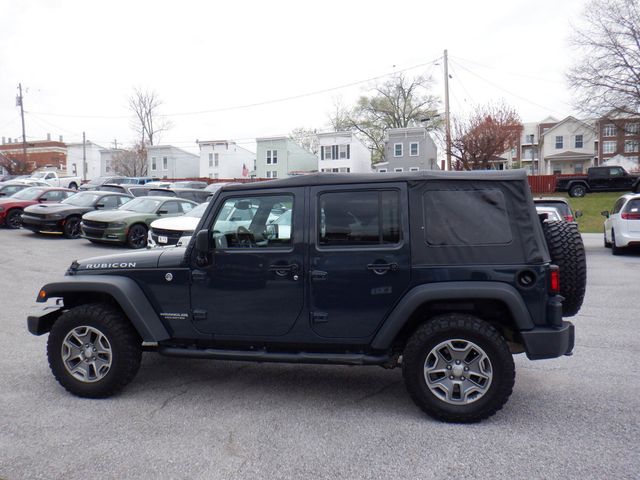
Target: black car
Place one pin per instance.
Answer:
(446, 275)
(194, 194)
(65, 217)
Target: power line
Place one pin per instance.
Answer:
(515, 74)
(256, 104)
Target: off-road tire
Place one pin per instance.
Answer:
(135, 233)
(567, 251)
(615, 250)
(125, 343)
(71, 228)
(578, 191)
(466, 327)
(14, 219)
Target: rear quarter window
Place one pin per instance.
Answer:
(466, 218)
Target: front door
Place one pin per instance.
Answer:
(253, 284)
(359, 258)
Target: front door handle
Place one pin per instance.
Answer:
(283, 270)
(382, 268)
(199, 275)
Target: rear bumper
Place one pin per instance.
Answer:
(549, 342)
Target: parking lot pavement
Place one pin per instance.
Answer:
(573, 417)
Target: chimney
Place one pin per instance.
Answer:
(48, 137)
(60, 138)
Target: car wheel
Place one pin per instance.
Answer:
(458, 368)
(615, 250)
(577, 191)
(607, 244)
(72, 228)
(567, 251)
(73, 186)
(14, 219)
(137, 237)
(93, 351)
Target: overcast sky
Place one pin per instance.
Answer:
(80, 60)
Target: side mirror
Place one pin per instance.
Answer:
(577, 213)
(203, 244)
(99, 206)
(163, 212)
(43, 199)
(605, 213)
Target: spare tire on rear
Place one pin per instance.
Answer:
(567, 252)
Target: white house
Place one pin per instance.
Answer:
(343, 152)
(408, 149)
(167, 161)
(278, 157)
(76, 165)
(569, 146)
(225, 159)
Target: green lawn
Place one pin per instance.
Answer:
(591, 205)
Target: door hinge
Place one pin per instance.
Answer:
(319, 317)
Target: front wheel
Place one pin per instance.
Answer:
(93, 351)
(577, 191)
(137, 237)
(72, 228)
(14, 219)
(458, 368)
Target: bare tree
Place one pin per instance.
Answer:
(307, 138)
(131, 162)
(607, 75)
(486, 134)
(147, 122)
(339, 117)
(15, 165)
(398, 102)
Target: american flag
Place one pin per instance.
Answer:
(245, 170)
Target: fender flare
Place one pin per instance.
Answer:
(578, 182)
(422, 294)
(125, 291)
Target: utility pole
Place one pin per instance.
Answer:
(447, 119)
(84, 156)
(115, 143)
(24, 136)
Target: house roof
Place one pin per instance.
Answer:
(567, 120)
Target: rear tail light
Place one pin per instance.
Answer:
(630, 216)
(568, 218)
(554, 279)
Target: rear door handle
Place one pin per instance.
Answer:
(382, 268)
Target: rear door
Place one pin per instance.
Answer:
(359, 257)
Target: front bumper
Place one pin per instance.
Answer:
(549, 342)
(116, 235)
(41, 323)
(40, 224)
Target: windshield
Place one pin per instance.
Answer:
(82, 199)
(97, 181)
(142, 205)
(30, 193)
(39, 175)
(197, 211)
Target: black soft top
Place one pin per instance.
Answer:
(315, 179)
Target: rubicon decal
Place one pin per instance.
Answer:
(91, 266)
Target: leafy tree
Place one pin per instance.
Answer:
(607, 75)
(486, 134)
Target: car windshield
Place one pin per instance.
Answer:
(39, 175)
(197, 211)
(82, 199)
(142, 205)
(11, 189)
(97, 181)
(28, 193)
(112, 188)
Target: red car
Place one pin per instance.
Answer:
(11, 207)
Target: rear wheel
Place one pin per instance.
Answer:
(615, 250)
(14, 219)
(567, 252)
(93, 350)
(71, 228)
(458, 368)
(73, 186)
(137, 236)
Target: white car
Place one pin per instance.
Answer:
(167, 231)
(622, 225)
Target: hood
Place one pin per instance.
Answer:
(15, 201)
(114, 215)
(51, 208)
(179, 224)
(122, 261)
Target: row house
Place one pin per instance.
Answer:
(225, 159)
(167, 161)
(343, 152)
(41, 154)
(408, 149)
(279, 157)
(619, 134)
(569, 146)
(88, 155)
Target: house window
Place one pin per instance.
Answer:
(165, 163)
(578, 168)
(382, 170)
(272, 157)
(272, 174)
(529, 138)
(631, 146)
(211, 159)
(154, 164)
(397, 149)
(559, 141)
(632, 129)
(399, 169)
(413, 149)
(326, 153)
(215, 175)
(609, 147)
(343, 151)
(579, 141)
(609, 130)
(414, 169)
(216, 159)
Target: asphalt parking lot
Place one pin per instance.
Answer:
(573, 417)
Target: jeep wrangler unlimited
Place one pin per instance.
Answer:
(446, 274)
